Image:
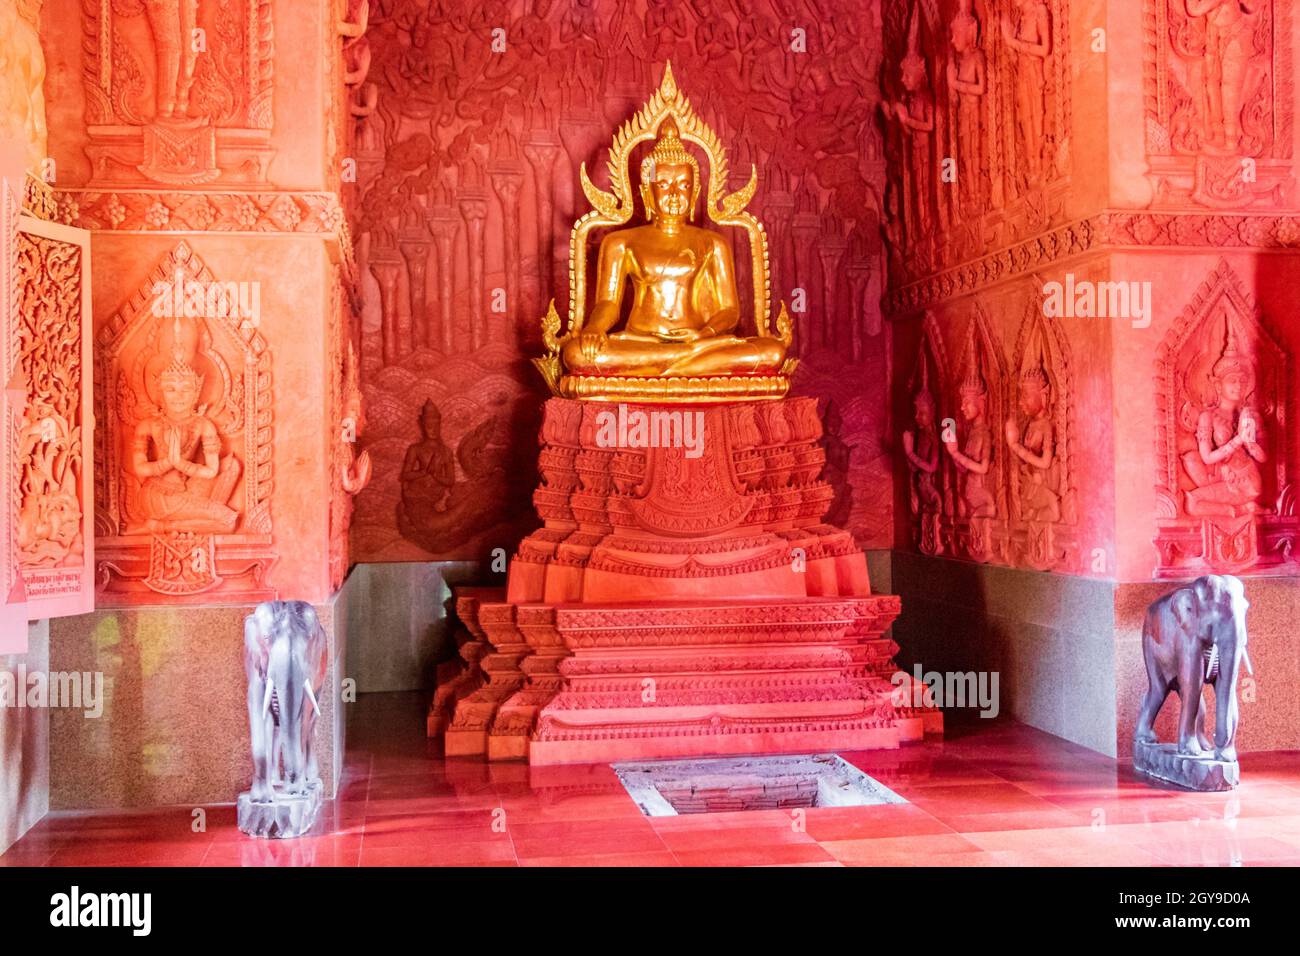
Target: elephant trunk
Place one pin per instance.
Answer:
(1226, 714)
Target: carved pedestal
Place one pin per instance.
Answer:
(460, 678)
(682, 598)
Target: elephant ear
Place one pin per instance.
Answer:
(1183, 604)
(257, 639)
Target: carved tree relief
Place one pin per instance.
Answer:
(1224, 495)
(467, 165)
(1218, 109)
(183, 402)
(13, 595)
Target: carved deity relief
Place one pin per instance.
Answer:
(996, 125)
(973, 447)
(914, 115)
(1217, 118)
(1225, 497)
(1027, 32)
(929, 495)
(184, 413)
(178, 91)
(1038, 435)
(968, 84)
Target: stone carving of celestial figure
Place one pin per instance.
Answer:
(185, 481)
(974, 459)
(172, 23)
(1035, 448)
(1224, 466)
(915, 116)
(1193, 636)
(429, 470)
(967, 77)
(1030, 36)
(22, 97)
(286, 662)
(921, 446)
(1229, 28)
(684, 303)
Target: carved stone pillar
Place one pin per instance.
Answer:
(541, 149)
(473, 209)
(416, 253)
(506, 182)
(831, 251)
(386, 266)
(443, 223)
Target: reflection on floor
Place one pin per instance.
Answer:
(991, 794)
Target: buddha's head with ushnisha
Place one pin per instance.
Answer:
(670, 178)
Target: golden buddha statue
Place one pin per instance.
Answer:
(679, 341)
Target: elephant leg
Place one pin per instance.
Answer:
(1151, 704)
(1201, 724)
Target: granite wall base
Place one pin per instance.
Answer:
(24, 743)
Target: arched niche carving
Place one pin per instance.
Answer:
(183, 406)
(929, 467)
(1224, 397)
(978, 394)
(1040, 436)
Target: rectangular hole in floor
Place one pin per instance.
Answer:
(666, 788)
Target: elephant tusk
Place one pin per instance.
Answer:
(266, 698)
(1212, 663)
(1245, 659)
(312, 697)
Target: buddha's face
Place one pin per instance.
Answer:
(179, 396)
(963, 33)
(671, 189)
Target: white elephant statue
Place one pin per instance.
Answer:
(286, 662)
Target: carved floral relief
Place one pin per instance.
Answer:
(54, 531)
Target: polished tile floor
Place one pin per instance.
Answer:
(990, 794)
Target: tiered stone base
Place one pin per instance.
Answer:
(681, 604)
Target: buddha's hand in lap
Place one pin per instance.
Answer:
(591, 344)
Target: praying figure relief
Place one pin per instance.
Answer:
(185, 481)
(967, 78)
(921, 448)
(1225, 496)
(1224, 466)
(974, 457)
(1228, 27)
(1029, 35)
(1034, 445)
(914, 114)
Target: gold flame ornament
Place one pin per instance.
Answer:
(678, 340)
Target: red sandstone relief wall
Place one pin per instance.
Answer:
(468, 188)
